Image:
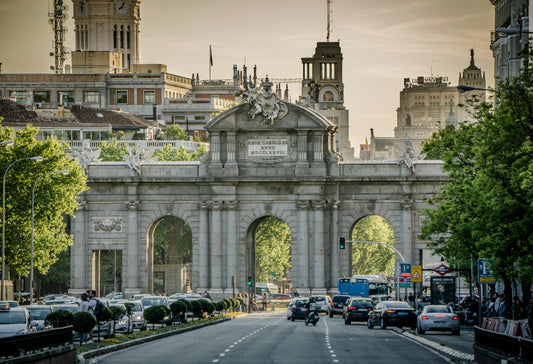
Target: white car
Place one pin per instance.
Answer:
(438, 318)
(322, 303)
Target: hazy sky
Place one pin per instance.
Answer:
(382, 42)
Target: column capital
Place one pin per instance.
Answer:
(217, 205)
(302, 205)
(319, 204)
(204, 205)
(407, 203)
(133, 205)
(232, 205)
(334, 204)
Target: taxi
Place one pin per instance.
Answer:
(15, 321)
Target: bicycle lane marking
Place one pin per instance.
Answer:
(328, 344)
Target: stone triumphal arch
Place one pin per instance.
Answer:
(266, 158)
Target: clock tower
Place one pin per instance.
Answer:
(107, 35)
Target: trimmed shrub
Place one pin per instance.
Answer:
(104, 316)
(220, 306)
(187, 303)
(155, 314)
(178, 307)
(60, 318)
(208, 307)
(196, 307)
(83, 322)
(129, 308)
(241, 300)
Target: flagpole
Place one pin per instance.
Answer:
(210, 62)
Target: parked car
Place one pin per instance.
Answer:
(140, 296)
(15, 321)
(38, 315)
(124, 325)
(138, 315)
(392, 313)
(105, 330)
(298, 309)
(322, 303)
(12, 304)
(357, 309)
(438, 318)
(337, 304)
(381, 297)
(279, 297)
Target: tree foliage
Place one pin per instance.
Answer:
(172, 242)
(168, 154)
(372, 258)
(273, 250)
(113, 152)
(486, 210)
(175, 132)
(55, 198)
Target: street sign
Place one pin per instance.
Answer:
(405, 270)
(484, 272)
(416, 273)
(442, 269)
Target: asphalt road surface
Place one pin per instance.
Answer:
(270, 338)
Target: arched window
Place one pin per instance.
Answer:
(328, 96)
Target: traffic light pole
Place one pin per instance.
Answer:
(343, 240)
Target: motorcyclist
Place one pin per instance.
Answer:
(309, 307)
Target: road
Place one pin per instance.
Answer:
(270, 338)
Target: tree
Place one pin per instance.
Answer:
(175, 132)
(373, 258)
(113, 152)
(55, 199)
(172, 242)
(273, 250)
(486, 210)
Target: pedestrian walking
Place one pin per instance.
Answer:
(86, 307)
(264, 301)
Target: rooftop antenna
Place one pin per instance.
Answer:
(57, 15)
(329, 18)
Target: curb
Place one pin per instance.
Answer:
(455, 355)
(83, 357)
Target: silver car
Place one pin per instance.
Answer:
(15, 321)
(38, 314)
(438, 318)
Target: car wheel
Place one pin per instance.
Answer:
(369, 324)
(383, 324)
(347, 322)
(456, 332)
(420, 331)
(306, 322)
(314, 323)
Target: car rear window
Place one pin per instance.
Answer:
(444, 309)
(319, 299)
(300, 303)
(339, 299)
(363, 304)
(397, 305)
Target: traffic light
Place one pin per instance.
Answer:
(342, 243)
(249, 280)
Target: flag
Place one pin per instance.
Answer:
(210, 57)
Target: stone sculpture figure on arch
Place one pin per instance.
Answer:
(266, 103)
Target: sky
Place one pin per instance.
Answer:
(382, 43)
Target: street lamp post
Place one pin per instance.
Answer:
(64, 172)
(35, 159)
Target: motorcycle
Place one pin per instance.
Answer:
(312, 318)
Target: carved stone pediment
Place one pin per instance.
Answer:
(107, 224)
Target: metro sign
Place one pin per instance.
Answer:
(442, 269)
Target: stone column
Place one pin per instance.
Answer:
(319, 268)
(232, 242)
(302, 147)
(216, 245)
(334, 247)
(214, 148)
(79, 257)
(407, 242)
(132, 241)
(231, 148)
(301, 265)
(317, 148)
(203, 246)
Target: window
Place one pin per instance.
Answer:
(19, 96)
(328, 96)
(90, 97)
(122, 97)
(41, 96)
(149, 97)
(197, 117)
(68, 96)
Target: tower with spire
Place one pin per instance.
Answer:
(471, 76)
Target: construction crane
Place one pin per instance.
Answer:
(57, 15)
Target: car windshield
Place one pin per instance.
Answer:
(72, 309)
(397, 305)
(301, 303)
(440, 309)
(154, 301)
(39, 313)
(12, 317)
(319, 299)
(136, 305)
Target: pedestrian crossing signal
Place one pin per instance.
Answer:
(342, 243)
(249, 280)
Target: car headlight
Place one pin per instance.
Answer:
(138, 318)
(123, 322)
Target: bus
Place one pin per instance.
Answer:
(364, 286)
